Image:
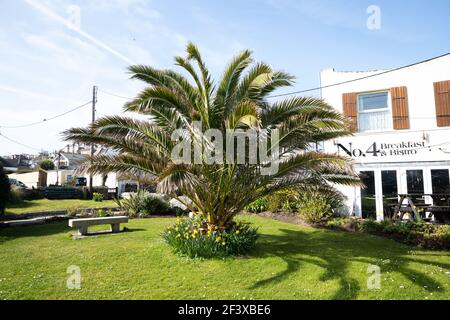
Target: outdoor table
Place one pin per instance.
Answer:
(440, 206)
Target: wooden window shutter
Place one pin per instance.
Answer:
(350, 109)
(400, 113)
(442, 98)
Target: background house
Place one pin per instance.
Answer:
(67, 162)
(8, 165)
(17, 162)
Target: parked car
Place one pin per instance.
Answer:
(18, 184)
(81, 182)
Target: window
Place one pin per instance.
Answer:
(440, 181)
(390, 191)
(368, 200)
(414, 180)
(374, 112)
(316, 147)
(389, 184)
(131, 187)
(442, 98)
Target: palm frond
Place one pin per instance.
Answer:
(226, 92)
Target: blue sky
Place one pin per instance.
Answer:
(47, 68)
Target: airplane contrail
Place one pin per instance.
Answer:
(48, 12)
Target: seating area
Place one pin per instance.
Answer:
(84, 224)
(425, 206)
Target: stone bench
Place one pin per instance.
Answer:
(83, 224)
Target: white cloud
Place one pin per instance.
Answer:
(28, 93)
(50, 14)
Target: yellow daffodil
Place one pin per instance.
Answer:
(223, 243)
(237, 232)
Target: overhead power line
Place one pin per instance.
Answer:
(19, 143)
(359, 79)
(323, 87)
(47, 119)
(114, 95)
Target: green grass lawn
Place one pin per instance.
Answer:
(43, 205)
(289, 262)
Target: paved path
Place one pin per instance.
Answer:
(33, 221)
(27, 219)
(33, 218)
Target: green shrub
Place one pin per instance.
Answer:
(15, 196)
(446, 233)
(144, 204)
(258, 206)
(274, 203)
(327, 201)
(344, 223)
(101, 213)
(195, 238)
(97, 197)
(336, 223)
(396, 229)
(281, 201)
(420, 234)
(33, 194)
(177, 211)
(5, 190)
(154, 205)
(314, 209)
(371, 226)
(47, 165)
(72, 212)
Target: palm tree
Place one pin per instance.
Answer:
(240, 100)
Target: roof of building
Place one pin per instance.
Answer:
(74, 159)
(8, 163)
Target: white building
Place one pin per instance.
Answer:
(402, 120)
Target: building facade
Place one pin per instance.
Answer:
(401, 143)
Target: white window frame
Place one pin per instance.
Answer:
(388, 109)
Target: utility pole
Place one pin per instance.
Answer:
(57, 156)
(94, 102)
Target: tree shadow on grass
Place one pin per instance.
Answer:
(106, 232)
(45, 229)
(52, 228)
(22, 205)
(335, 251)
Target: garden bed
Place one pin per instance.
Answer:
(421, 234)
